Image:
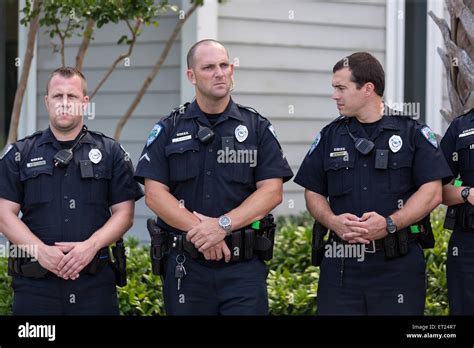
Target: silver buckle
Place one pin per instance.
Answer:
(372, 250)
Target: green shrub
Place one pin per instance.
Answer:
(6, 294)
(292, 280)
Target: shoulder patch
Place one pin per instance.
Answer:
(314, 144)
(155, 132)
(272, 130)
(6, 151)
(429, 135)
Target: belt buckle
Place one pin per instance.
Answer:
(372, 249)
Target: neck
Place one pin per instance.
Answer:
(371, 113)
(215, 106)
(62, 135)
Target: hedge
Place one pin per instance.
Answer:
(292, 280)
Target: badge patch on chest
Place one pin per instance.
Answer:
(241, 133)
(95, 156)
(395, 143)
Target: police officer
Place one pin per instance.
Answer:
(210, 169)
(76, 192)
(457, 146)
(370, 177)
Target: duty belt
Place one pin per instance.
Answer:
(374, 245)
(26, 267)
(243, 244)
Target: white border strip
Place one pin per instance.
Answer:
(395, 51)
(434, 68)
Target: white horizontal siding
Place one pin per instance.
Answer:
(284, 52)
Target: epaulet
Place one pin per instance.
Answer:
(176, 112)
(31, 135)
(100, 134)
(248, 108)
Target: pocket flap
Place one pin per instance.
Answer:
(33, 172)
(179, 148)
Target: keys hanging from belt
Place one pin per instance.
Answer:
(180, 271)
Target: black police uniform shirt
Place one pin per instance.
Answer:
(405, 156)
(458, 148)
(203, 177)
(66, 204)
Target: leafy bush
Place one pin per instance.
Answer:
(6, 294)
(292, 280)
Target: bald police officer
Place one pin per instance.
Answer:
(211, 169)
(370, 178)
(76, 192)
(457, 146)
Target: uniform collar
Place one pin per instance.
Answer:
(386, 122)
(193, 111)
(48, 137)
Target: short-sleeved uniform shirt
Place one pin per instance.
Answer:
(66, 204)
(458, 148)
(215, 178)
(405, 156)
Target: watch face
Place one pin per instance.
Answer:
(224, 221)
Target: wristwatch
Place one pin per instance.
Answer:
(226, 224)
(465, 193)
(391, 227)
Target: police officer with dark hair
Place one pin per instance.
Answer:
(212, 171)
(76, 192)
(457, 145)
(371, 178)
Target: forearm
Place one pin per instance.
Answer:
(452, 194)
(318, 207)
(171, 211)
(16, 231)
(257, 205)
(119, 223)
(420, 204)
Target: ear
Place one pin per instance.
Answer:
(369, 88)
(191, 76)
(46, 102)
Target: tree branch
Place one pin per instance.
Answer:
(134, 32)
(156, 69)
(86, 38)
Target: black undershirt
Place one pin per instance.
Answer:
(213, 118)
(370, 127)
(66, 144)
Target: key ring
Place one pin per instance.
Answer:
(177, 258)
